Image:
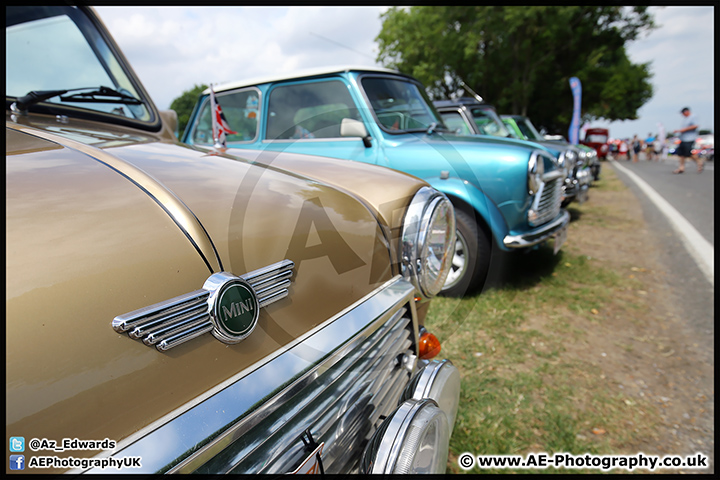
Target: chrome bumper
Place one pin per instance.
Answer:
(538, 235)
(338, 382)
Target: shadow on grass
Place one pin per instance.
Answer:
(521, 270)
(575, 214)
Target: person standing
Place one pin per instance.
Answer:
(649, 147)
(688, 133)
(622, 150)
(636, 146)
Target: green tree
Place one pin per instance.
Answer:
(184, 104)
(521, 58)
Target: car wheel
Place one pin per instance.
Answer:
(471, 260)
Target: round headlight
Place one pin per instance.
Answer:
(571, 157)
(428, 241)
(413, 439)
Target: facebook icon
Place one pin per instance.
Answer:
(17, 462)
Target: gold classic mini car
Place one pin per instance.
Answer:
(176, 309)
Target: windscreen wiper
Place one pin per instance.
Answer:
(21, 104)
(102, 95)
(96, 95)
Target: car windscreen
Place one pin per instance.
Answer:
(400, 105)
(60, 49)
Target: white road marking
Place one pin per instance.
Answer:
(700, 249)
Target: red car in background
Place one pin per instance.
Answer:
(597, 138)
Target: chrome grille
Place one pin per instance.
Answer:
(547, 202)
(342, 405)
(168, 324)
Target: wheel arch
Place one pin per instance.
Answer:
(472, 200)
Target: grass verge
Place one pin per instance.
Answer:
(531, 352)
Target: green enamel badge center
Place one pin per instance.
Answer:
(237, 310)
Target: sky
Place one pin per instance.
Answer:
(174, 48)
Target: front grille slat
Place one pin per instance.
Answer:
(344, 402)
(548, 205)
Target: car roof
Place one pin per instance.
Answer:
(305, 73)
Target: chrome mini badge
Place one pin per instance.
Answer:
(228, 306)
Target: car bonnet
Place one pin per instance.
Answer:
(86, 242)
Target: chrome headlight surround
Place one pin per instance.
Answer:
(428, 241)
(563, 163)
(413, 439)
(535, 172)
(438, 380)
(584, 158)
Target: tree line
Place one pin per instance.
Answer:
(518, 58)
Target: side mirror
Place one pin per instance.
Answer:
(170, 119)
(350, 127)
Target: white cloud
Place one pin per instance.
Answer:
(174, 48)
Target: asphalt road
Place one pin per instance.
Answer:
(692, 195)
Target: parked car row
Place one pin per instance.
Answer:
(506, 193)
(255, 307)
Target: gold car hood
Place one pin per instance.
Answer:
(100, 224)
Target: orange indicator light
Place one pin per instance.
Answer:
(429, 346)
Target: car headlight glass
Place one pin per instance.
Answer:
(428, 241)
(571, 159)
(536, 169)
(413, 439)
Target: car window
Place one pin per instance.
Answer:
(309, 110)
(596, 138)
(455, 122)
(528, 129)
(241, 109)
(527, 133)
(399, 105)
(488, 122)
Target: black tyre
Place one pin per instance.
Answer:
(471, 261)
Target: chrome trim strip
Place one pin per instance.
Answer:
(188, 437)
(123, 323)
(538, 235)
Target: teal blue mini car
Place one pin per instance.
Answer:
(506, 193)
(470, 116)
